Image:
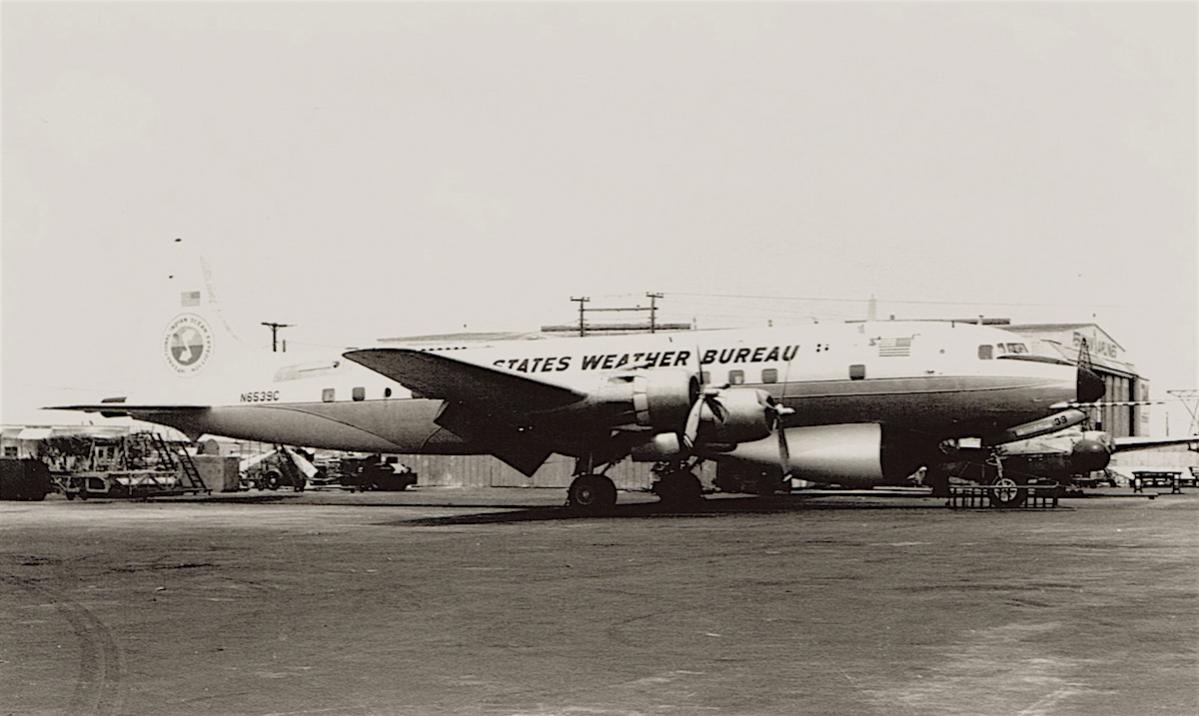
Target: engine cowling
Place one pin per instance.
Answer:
(662, 399)
(852, 454)
(725, 418)
(736, 415)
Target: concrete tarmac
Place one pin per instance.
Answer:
(442, 601)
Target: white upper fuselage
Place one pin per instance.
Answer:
(941, 378)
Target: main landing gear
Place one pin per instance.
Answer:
(591, 494)
(677, 486)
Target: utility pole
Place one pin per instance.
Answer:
(653, 309)
(582, 322)
(275, 334)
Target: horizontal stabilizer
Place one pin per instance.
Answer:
(1144, 443)
(438, 376)
(110, 410)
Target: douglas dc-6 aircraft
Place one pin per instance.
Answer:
(855, 404)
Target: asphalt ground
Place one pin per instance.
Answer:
(442, 601)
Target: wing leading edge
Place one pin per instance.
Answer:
(438, 376)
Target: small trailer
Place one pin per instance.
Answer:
(145, 465)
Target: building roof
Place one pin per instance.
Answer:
(463, 337)
(1051, 327)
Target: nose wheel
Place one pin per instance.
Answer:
(1006, 491)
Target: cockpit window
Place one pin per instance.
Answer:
(1011, 348)
(985, 352)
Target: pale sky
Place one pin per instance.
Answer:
(382, 169)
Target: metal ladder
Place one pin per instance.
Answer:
(172, 454)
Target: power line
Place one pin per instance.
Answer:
(582, 301)
(887, 300)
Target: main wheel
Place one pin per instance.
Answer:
(591, 494)
(1007, 492)
(680, 491)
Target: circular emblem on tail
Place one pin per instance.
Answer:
(188, 343)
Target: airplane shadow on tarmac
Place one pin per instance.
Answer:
(723, 507)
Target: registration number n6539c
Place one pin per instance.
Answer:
(260, 396)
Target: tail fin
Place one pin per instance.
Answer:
(196, 341)
(196, 350)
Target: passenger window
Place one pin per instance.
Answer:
(327, 395)
(705, 377)
(359, 393)
(736, 377)
(985, 351)
(387, 392)
(770, 375)
(857, 371)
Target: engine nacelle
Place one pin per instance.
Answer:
(663, 446)
(745, 415)
(852, 454)
(662, 399)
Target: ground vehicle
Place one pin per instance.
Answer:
(272, 470)
(376, 472)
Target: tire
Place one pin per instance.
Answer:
(680, 491)
(272, 481)
(1008, 493)
(591, 494)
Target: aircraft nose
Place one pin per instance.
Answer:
(1088, 385)
(1088, 455)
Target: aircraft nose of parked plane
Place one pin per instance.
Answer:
(1088, 455)
(1088, 385)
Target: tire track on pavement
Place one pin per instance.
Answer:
(98, 686)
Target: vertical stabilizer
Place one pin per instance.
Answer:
(196, 343)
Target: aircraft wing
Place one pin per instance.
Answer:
(1144, 443)
(111, 410)
(438, 376)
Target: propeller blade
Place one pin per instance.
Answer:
(691, 429)
(714, 405)
(708, 397)
(780, 411)
(784, 453)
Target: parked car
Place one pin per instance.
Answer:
(376, 472)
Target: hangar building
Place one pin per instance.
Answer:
(1110, 361)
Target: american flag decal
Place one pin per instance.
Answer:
(189, 298)
(895, 348)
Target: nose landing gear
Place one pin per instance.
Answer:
(1006, 491)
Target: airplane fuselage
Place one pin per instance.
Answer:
(928, 378)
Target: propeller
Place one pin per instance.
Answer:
(780, 411)
(709, 398)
